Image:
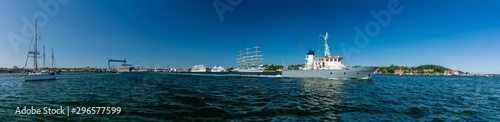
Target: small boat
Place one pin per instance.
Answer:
(36, 73)
(218, 69)
(199, 68)
(97, 70)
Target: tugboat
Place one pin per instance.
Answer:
(329, 67)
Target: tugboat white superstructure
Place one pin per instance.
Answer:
(329, 67)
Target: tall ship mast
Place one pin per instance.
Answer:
(37, 74)
(256, 56)
(240, 59)
(247, 58)
(52, 58)
(249, 61)
(58, 71)
(43, 64)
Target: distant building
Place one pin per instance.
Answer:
(428, 70)
(455, 72)
(416, 71)
(15, 68)
(399, 71)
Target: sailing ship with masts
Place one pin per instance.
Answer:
(249, 61)
(37, 73)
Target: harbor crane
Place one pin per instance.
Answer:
(112, 60)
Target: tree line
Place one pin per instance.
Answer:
(429, 68)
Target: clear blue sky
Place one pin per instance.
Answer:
(463, 35)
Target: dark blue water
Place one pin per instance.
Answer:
(162, 96)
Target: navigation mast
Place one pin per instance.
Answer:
(327, 50)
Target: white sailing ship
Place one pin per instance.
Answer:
(249, 61)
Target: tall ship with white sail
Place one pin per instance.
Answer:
(249, 61)
(329, 67)
(36, 73)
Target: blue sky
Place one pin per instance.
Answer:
(463, 35)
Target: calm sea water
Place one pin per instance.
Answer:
(162, 96)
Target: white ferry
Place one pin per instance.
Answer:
(199, 68)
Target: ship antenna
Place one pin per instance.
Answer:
(327, 50)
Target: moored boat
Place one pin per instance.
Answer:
(218, 69)
(199, 68)
(329, 67)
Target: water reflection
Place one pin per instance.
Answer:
(321, 97)
(157, 97)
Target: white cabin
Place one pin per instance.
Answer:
(323, 63)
